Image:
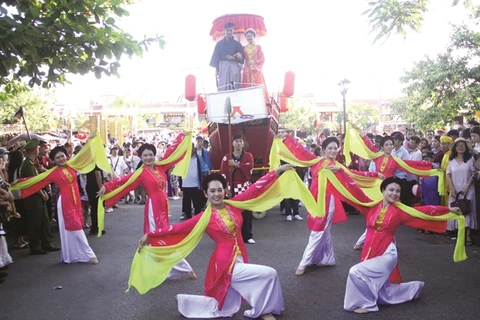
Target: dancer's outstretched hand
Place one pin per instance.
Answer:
(456, 210)
(283, 168)
(360, 131)
(101, 192)
(142, 242)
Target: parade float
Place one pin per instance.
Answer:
(253, 112)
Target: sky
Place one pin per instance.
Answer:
(323, 42)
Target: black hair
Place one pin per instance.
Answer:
(475, 130)
(237, 136)
(416, 139)
(384, 140)
(466, 156)
(428, 154)
(398, 136)
(390, 180)
(466, 134)
(56, 150)
(213, 177)
(329, 140)
(437, 137)
(145, 146)
(453, 132)
(14, 163)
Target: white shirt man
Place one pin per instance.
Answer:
(414, 154)
(117, 163)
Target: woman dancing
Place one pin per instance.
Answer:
(368, 282)
(74, 244)
(154, 179)
(229, 277)
(319, 249)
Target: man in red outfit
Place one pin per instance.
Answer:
(237, 168)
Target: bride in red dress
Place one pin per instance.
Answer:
(254, 60)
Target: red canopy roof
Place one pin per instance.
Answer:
(241, 21)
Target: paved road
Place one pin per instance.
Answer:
(452, 290)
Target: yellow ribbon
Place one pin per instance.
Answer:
(184, 150)
(370, 186)
(355, 144)
(91, 155)
(151, 266)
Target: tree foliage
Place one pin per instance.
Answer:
(363, 115)
(395, 16)
(402, 110)
(299, 117)
(36, 109)
(440, 88)
(387, 17)
(42, 41)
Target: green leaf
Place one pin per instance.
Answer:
(35, 11)
(67, 37)
(110, 20)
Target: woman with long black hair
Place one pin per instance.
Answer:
(460, 176)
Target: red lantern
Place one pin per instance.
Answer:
(190, 87)
(81, 136)
(201, 104)
(289, 84)
(283, 103)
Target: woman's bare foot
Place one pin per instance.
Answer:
(361, 310)
(94, 260)
(267, 317)
(192, 275)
